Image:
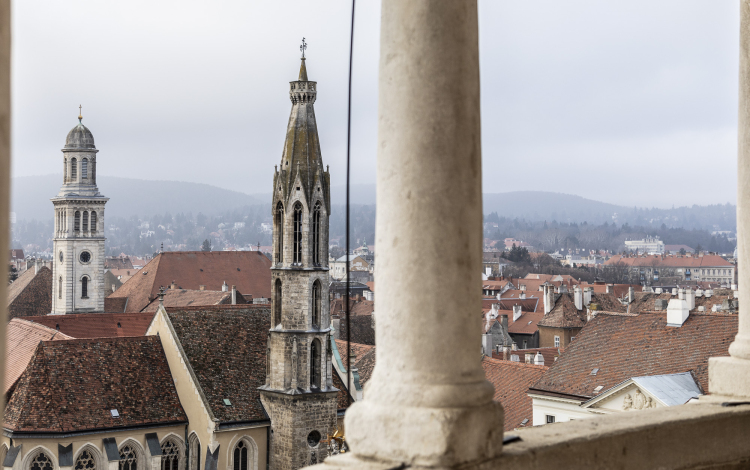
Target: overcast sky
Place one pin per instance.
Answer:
(626, 102)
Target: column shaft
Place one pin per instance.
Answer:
(429, 239)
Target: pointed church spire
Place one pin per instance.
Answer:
(302, 71)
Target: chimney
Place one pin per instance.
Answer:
(522, 287)
(631, 294)
(709, 293)
(529, 358)
(699, 292)
(539, 359)
(174, 285)
(506, 352)
(225, 287)
(690, 298)
(587, 295)
(514, 346)
(578, 297)
(504, 322)
(234, 295)
(522, 296)
(549, 298)
(677, 312)
(674, 291)
(609, 288)
(36, 266)
(657, 290)
(201, 287)
(681, 294)
(516, 313)
(487, 344)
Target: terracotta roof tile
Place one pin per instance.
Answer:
(30, 294)
(365, 358)
(97, 325)
(72, 385)
(511, 381)
(190, 298)
(622, 346)
(250, 271)
(549, 354)
(21, 339)
(670, 261)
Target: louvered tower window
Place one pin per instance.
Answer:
(85, 220)
(74, 169)
(279, 232)
(77, 222)
(85, 168)
(93, 222)
(316, 305)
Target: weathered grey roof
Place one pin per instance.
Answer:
(79, 137)
(670, 389)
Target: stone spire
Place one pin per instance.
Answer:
(301, 160)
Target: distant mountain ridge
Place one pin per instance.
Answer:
(135, 197)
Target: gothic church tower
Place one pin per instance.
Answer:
(78, 268)
(299, 394)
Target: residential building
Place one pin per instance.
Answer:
(359, 268)
(624, 361)
(665, 269)
(78, 244)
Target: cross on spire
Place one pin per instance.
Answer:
(80, 112)
(303, 47)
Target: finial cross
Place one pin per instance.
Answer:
(80, 112)
(303, 47)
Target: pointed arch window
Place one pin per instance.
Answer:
(297, 225)
(315, 364)
(316, 305)
(73, 169)
(279, 222)
(128, 458)
(240, 456)
(85, 287)
(41, 462)
(316, 234)
(85, 461)
(170, 455)
(77, 222)
(85, 220)
(195, 452)
(85, 168)
(93, 222)
(277, 303)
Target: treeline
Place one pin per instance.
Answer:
(554, 236)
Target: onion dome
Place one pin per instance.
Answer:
(79, 137)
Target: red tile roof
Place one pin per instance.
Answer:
(30, 294)
(622, 346)
(21, 339)
(72, 385)
(97, 325)
(511, 381)
(193, 298)
(365, 358)
(549, 354)
(250, 271)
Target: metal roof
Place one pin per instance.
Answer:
(670, 389)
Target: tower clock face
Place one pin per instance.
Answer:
(61, 257)
(85, 257)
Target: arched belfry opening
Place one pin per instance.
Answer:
(279, 232)
(297, 228)
(316, 235)
(277, 303)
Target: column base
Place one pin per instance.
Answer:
(397, 436)
(729, 376)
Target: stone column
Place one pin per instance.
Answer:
(4, 169)
(428, 402)
(731, 375)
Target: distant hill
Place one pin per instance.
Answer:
(542, 205)
(31, 197)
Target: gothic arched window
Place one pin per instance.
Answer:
(77, 222)
(316, 235)
(315, 364)
(279, 232)
(128, 458)
(170, 455)
(240, 456)
(85, 287)
(277, 303)
(85, 220)
(316, 305)
(93, 222)
(85, 461)
(74, 169)
(85, 168)
(41, 462)
(195, 452)
(297, 233)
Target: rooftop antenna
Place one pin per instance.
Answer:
(303, 47)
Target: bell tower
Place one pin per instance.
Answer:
(299, 394)
(78, 267)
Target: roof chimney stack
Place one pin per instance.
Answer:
(539, 359)
(516, 312)
(677, 312)
(174, 285)
(587, 295)
(234, 295)
(578, 297)
(225, 287)
(631, 294)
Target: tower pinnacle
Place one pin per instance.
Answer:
(80, 113)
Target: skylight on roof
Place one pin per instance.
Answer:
(114, 413)
(598, 388)
(594, 371)
(525, 420)
(227, 402)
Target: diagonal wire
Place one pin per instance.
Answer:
(348, 154)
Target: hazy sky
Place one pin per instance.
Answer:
(625, 102)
